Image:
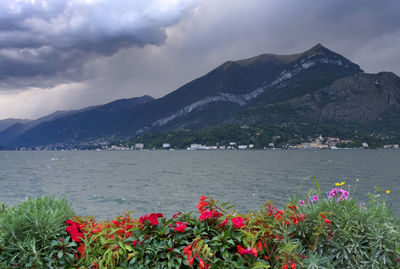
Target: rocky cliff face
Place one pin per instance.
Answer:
(361, 98)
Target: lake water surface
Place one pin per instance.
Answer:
(106, 184)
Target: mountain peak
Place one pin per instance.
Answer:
(317, 49)
(283, 59)
(318, 46)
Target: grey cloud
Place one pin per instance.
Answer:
(51, 40)
(218, 32)
(47, 49)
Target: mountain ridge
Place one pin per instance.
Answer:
(266, 87)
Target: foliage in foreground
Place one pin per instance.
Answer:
(335, 232)
(28, 229)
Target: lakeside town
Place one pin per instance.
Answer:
(318, 143)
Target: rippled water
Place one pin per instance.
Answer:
(106, 184)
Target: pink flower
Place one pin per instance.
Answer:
(337, 192)
(315, 198)
(303, 202)
(237, 222)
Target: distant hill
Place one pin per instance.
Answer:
(68, 127)
(4, 124)
(317, 86)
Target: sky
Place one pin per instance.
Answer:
(70, 54)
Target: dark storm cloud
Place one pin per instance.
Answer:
(366, 32)
(46, 42)
(51, 42)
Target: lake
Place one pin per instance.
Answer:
(108, 183)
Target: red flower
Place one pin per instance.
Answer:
(81, 251)
(259, 245)
(202, 204)
(210, 214)
(134, 243)
(292, 266)
(152, 218)
(176, 215)
(279, 212)
(188, 251)
(224, 223)
(180, 227)
(97, 228)
(325, 219)
(242, 251)
(237, 222)
(203, 265)
(74, 230)
(190, 261)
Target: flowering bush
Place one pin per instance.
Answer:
(342, 233)
(335, 232)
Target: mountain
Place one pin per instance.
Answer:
(318, 86)
(4, 124)
(20, 126)
(364, 99)
(236, 85)
(68, 127)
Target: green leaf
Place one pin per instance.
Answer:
(60, 254)
(319, 188)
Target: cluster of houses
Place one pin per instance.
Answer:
(137, 146)
(394, 146)
(232, 145)
(321, 143)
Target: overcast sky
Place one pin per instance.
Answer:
(69, 54)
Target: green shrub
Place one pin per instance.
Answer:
(358, 236)
(28, 229)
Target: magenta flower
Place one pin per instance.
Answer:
(339, 193)
(302, 202)
(315, 198)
